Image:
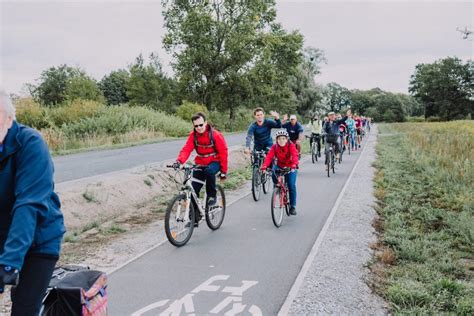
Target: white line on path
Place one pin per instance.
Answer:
(285, 308)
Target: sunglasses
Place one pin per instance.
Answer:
(198, 125)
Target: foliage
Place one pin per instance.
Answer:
(187, 109)
(445, 88)
(30, 113)
(114, 87)
(424, 186)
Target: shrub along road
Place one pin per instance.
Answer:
(77, 166)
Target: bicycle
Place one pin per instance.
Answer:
(330, 154)
(342, 136)
(315, 147)
(186, 207)
(280, 197)
(259, 178)
(349, 142)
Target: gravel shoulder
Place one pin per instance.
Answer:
(335, 282)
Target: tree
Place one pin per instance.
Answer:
(338, 97)
(114, 87)
(149, 86)
(58, 84)
(231, 53)
(445, 88)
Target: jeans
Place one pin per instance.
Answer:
(353, 139)
(290, 180)
(35, 275)
(208, 174)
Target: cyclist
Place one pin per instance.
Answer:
(31, 222)
(286, 155)
(260, 131)
(331, 128)
(316, 126)
(358, 125)
(211, 155)
(350, 123)
(295, 130)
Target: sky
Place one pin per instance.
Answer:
(367, 44)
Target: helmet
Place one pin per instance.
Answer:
(281, 132)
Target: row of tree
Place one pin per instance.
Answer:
(232, 55)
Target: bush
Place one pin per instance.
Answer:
(243, 117)
(415, 119)
(187, 109)
(30, 113)
(74, 111)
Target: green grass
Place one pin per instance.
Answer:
(238, 177)
(424, 186)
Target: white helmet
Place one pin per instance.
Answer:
(282, 132)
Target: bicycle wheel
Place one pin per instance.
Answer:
(177, 228)
(277, 207)
(256, 179)
(215, 215)
(333, 162)
(314, 156)
(349, 144)
(328, 163)
(287, 202)
(267, 182)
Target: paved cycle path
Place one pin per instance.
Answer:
(86, 164)
(247, 267)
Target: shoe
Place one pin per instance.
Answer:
(292, 211)
(211, 202)
(359, 146)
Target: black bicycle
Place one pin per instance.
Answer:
(187, 209)
(260, 180)
(330, 154)
(315, 141)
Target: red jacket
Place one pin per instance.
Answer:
(286, 156)
(206, 155)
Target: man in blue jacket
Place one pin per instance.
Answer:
(31, 223)
(295, 130)
(261, 129)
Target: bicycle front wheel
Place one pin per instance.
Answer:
(215, 214)
(178, 228)
(267, 182)
(256, 181)
(278, 207)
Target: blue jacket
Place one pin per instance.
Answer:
(293, 130)
(30, 216)
(333, 128)
(262, 135)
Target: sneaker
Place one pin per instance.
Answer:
(292, 210)
(211, 202)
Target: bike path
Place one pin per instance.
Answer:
(247, 267)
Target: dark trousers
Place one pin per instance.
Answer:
(35, 275)
(207, 174)
(315, 138)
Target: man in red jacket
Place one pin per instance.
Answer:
(286, 155)
(211, 155)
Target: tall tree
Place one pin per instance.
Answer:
(338, 97)
(114, 87)
(445, 88)
(230, 53)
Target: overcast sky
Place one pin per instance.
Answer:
(367, 44)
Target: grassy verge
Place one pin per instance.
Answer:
(424, 185)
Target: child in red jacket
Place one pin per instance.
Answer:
(286, 156)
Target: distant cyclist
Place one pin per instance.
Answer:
(295, 131)
(358, 124)
(316, 125)
(331, 128)
(260, 130)
(211, 154)
(286, 156)
(350, 123)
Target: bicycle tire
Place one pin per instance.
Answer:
(328, 163)
(268, 182)
(171, 234)
(256, 177)
(314, 158)
(333, 162)
(210, 215)
(277, 212)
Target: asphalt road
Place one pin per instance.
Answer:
(248, 266)
(76, 166)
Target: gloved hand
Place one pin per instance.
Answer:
(8, 275)
(176, 165)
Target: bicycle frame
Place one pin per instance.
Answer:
(188, 190)
(281, 182)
